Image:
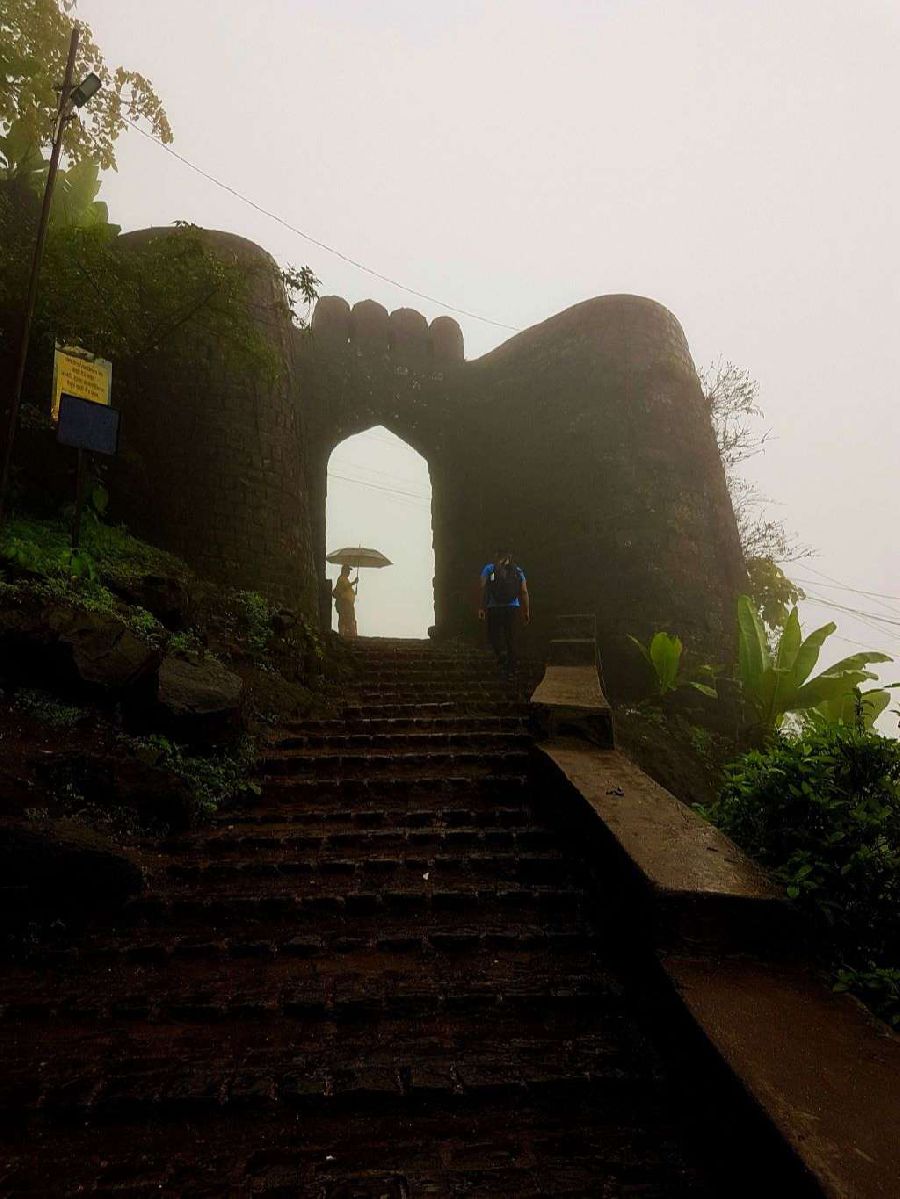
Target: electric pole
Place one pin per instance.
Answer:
(64, 112)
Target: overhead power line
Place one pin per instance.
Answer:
(858, 612)
(881, 632)
(360, 266)
(836, 584)
(411, 495)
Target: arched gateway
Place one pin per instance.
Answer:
(585, 441)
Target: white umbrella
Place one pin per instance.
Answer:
(358, 556)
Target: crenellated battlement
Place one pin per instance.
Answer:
(369, 328)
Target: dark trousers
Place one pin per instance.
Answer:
(501, 628)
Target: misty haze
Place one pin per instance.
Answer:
(449, 619)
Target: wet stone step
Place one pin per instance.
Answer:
(267, 899)
(318, 873)
(415, 789)
(363, 935)
(457, 966)
(439, 831)
(556, 1145)
(399, 709)
(159, 1092)
(404, 742)
(410, 724)
(369, 764)
(383, 962)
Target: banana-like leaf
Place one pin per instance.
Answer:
(808, 653)
(789, 642)
(645, 652)
(843, 709)
(754, 656)
(826, 687)
(776, 694)
(665, 654)
(21, 153)
(74, 200)
(857, 662)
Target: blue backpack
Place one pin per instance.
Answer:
(504, 586)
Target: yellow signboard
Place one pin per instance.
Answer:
(78, 373)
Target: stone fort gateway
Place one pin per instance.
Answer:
(584, 441)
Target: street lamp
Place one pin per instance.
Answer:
(70, 98)
(83, 92)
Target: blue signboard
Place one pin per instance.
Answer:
(87, 426)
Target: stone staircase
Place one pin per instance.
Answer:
(386, 977)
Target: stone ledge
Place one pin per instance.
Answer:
(821, 1072)
(824, 1072)
(569, 699)
(697, 886)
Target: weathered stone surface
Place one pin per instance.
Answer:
(63, 865)
(571, 651)
(212, 469)
(57, 645)
(569, 699)
(447, 342)
(113, 781)
(331, 320)
(702, 887)
(104, 651)
(370, 326)
(409, 339)
(167, 598)
(199, 696)
(585, 441)
(826, 1073)
(292, 1010)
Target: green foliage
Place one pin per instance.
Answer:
(775, 684)
(126, 300)
(75, 203)
(310, 639)
(40, 705)
(300, 286)
(83, 579)
(257, 619)
(857, 707)
(145, 624)
(217, 777)
(34, 44)
(186, 642)
(733, 398)
(822, 811)
(773, 592)
(663, 655)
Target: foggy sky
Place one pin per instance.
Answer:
(736, 161)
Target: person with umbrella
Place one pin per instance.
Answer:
(345, 601)
(344, 591)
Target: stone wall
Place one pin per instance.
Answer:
(210, 464)
(584, 441)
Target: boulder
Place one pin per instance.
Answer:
(284, 619)
(55, 645)
(60, 866)
(166, 597)
(199, 698)
(134, 782)
(104, 652)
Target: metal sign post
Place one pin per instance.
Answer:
(80, 472)
(87, 426)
